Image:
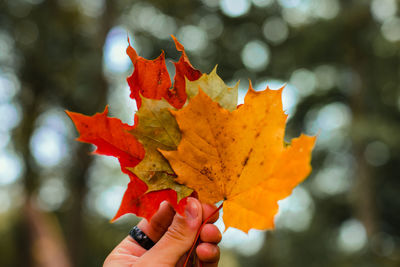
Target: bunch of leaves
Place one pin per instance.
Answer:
(191, 138)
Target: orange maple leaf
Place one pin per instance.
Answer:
(240, 156)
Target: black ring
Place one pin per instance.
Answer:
(143, 240)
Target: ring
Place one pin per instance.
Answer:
(141, 238)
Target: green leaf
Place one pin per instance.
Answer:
(215, 88)
(157, 129)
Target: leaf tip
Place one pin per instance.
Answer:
(178, 45)
(131, 52)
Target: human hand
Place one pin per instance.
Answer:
(173, 235)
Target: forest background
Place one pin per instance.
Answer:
(340, 61)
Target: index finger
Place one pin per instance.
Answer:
(208, 209)
(159, 223)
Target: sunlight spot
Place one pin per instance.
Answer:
(213, 25)
(296, 211)
(331, 181)
(391, 29)
(121, 105)
(296, 17)
(246, 244)
(115, 57)
(108, 201)
(193, 38)
(275, 30)
(234, 8)
(48, 142)
(92, 8)
(334, 116)
(383, 9)
(48, 147)
(9, 87)
(352, 236)
(304, 80)
(325, 9)
(52, 194)
(10, 116)
(11, 167)
(255, 55)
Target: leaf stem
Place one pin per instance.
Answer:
(198, 234)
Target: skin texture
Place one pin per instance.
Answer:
(173, 234)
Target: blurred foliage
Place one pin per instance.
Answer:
(341, 62)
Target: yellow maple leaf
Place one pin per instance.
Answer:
(240, 156)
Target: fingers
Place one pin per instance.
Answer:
(210, 234)
(178, 239)
(208, 210)
(160, 222)
(208, 253)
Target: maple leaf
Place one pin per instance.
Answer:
(240, 156)
(151, 79)
(112, 138)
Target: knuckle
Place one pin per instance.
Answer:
(177, 232)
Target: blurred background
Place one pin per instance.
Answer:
(339, 59)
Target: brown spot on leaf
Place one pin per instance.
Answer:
(206, 172)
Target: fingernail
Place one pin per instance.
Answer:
(191, 209)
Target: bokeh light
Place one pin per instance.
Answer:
(352, 236)
(48, 143)
(10, 116)
(193, 38)
(304, 80)
(296, 211)
(255, 55)
(275, 30)
(235, 8)
(115, 57)
(245, 244)
(11, 167)
(52, 194)
(383, 9)
(391, 29)
(92, 8)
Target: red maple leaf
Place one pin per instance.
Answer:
(151, 78)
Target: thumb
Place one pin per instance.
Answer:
(178, 239)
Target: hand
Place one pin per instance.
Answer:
(174, 235)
